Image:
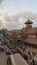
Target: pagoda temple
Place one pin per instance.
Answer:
(32, 34)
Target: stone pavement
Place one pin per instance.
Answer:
(3, 58)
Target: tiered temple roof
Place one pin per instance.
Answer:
(32, 31)
(28, 22)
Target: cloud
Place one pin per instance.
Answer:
(17, 21)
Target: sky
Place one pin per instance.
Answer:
(13, 13)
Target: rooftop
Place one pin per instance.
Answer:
(32, 41)
(32, 31)
(28, 22)
(18, 60)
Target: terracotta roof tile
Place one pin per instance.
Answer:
(31, 41)
(32, 31)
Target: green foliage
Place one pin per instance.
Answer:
(3, 31)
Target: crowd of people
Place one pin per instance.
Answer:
(28, 55)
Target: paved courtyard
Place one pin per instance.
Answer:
(3, 58)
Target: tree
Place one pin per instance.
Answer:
(3, 31)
